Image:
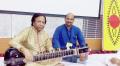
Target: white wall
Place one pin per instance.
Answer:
(12, 24)
(78, 7)
(5, 25)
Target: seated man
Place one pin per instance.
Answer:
(68, 34)
(33, 40)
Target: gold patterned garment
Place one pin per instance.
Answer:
(35, 43)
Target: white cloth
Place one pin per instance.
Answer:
(93, 60)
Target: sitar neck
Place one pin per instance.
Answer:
(61, 53)
(55, 54)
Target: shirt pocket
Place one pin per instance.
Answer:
(74, 38)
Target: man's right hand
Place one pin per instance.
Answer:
(83, 56)
(28, 55)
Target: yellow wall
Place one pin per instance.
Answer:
(4, 44)
(94, 44)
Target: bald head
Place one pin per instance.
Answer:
(70, 14)
(69, 19)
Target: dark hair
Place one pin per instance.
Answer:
(65, 16)
(35, 16)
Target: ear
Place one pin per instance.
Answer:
(73, 20)
(33, 23)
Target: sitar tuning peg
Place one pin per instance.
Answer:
(57, 49)
(70, 47)
(77, 46)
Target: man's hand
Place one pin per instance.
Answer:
(115, 60)
(28, 55)
(83, 56)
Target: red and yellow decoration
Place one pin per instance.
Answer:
(111, 25)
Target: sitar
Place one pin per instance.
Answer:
(13, 57)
